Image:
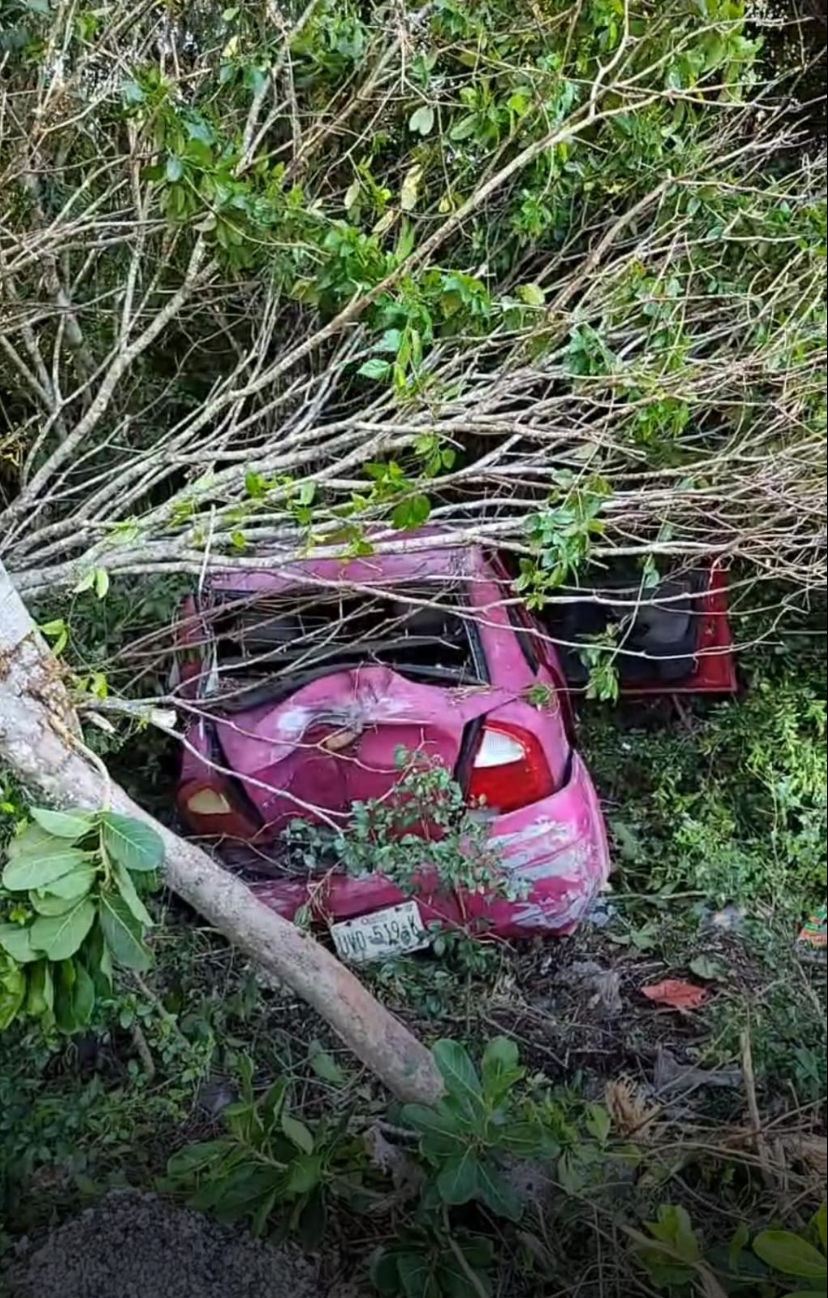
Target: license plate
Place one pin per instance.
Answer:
(390, 932)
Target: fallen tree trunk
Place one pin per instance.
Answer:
(40, 742)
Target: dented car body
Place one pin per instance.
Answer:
(305, 683)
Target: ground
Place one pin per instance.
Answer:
(131, 1245)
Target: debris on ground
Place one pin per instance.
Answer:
(134, 1245)
(676, 994)
(674, 1078)
(813, 936)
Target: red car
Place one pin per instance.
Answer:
(303, 685)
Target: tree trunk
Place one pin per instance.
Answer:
(40, 742)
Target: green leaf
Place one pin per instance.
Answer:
(304, 1174)
(325, 1066)
(531, 294)
(101, 583)
(789, 1254)
(421, 120)
(297, 1133)
(457, 1071)
(74, 885)
(411, 513)
(463, 129)
(438, 1126)
(134, 844)
(127, 890)
(174, 169)
(123, 934)
(59, 936)
(45, 904)
(497, 1194)
(599, 1123)
(61, 824)
(821, 1224)
(12, 993)
(457, 1181)
(375, 369)
(83, 998)
(40, 991)
(196, 1158)
(414, 1271)
(61, 893)
(17, 942)
(42, 870)
(710, 970)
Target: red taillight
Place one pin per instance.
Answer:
(510, 769)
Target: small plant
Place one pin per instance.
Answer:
(434, 1263)
(677, 1264)
(424, 830)
(270, 1160)
(71, 905)
(469, 1136)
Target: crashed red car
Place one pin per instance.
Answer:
(303, 684)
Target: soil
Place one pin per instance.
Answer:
(133, 1245)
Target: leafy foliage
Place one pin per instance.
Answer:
(424, 829)
(71, 906)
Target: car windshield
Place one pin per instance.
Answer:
(422, 632)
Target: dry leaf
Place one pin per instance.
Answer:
(677, 994)
(630, 1113)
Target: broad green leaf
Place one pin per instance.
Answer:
(31, 841)
(59, 936)
(304, 1174)
(83, 998)
(242, 1190)
(17, 942)
(297, 1133)
(12, 993)
(531, 294)
(789, 1254)
(457, 1070)
(325, 1066)
(414, 1271)
(438, 1127)
(457, 1181)
(101, 583)
(71, 886)
(136, 845)
(123, 934)
(497, 1194)
(411, 513)
(62, 893)
(463, 129)
(127, 890)
(62, 824)
(421, 120)
(196, 1158)
(500, 1055)
(40, 992)
(43, 903)
(375, 368)
(25, 872)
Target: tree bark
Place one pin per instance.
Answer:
(40, 742)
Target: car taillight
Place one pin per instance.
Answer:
(509, 769)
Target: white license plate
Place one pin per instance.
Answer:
(385, 933)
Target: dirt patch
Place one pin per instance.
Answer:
(133, 1245)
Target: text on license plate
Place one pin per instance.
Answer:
(385, 933)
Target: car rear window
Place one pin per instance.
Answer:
(418, 631)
